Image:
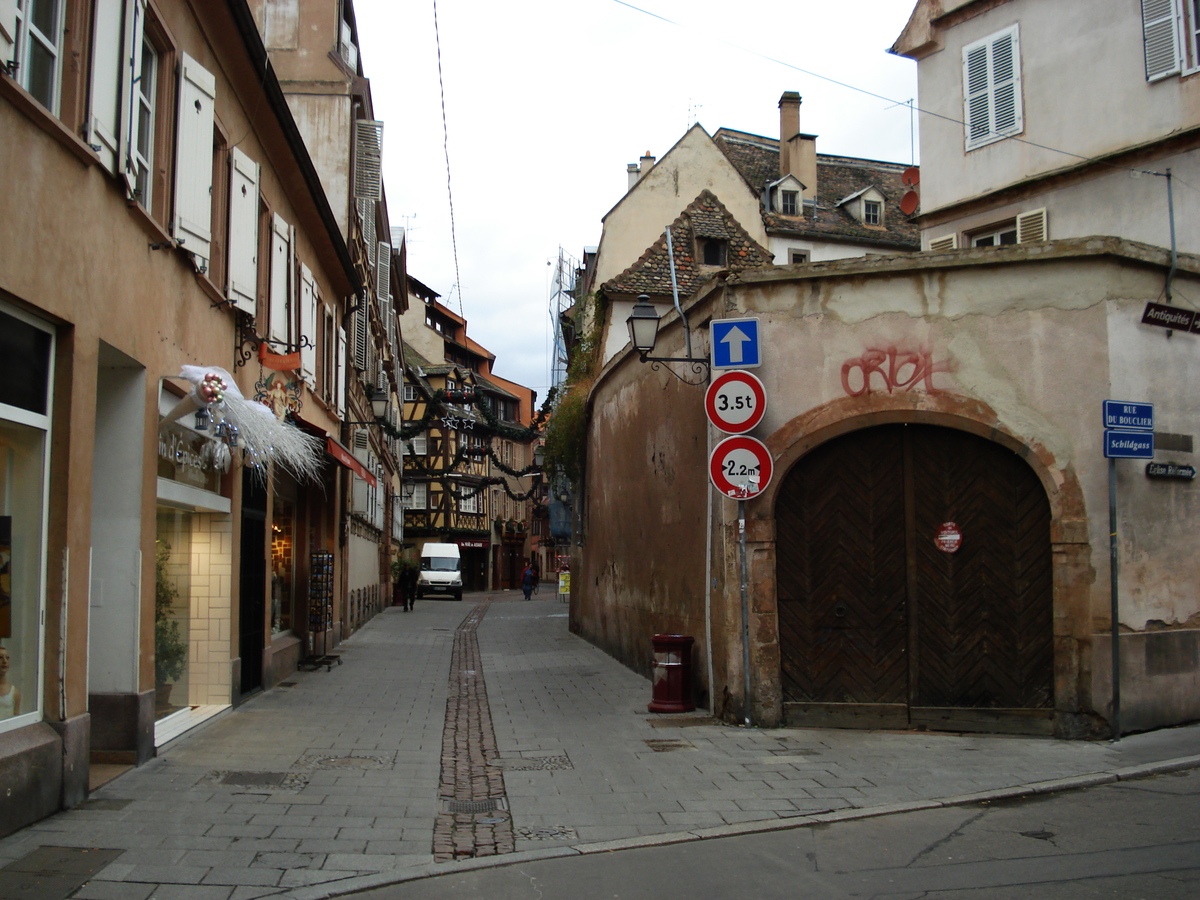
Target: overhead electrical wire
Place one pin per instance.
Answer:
(909, 103)
(446, 149)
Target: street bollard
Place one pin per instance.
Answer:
(672, 673)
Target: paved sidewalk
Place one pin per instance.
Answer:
(468, 734)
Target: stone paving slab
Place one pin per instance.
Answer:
(561, 738)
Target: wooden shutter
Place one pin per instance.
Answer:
(108, 82)
(242, 256)
(368, 160)
(1160, 38)
(308, 325)
(1031, 227)
(339, 391)
(383, 280)
(192, 223)
(992, 88)
(281, 280)
(949, 242)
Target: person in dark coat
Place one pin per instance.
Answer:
(410, 587)
(528, 580)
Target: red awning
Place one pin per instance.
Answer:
(346, 458)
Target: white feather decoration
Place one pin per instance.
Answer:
(263, 438)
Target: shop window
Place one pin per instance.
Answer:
(172, 610)
(283, 566)
(26, 348)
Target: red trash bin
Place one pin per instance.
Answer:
(672, 673)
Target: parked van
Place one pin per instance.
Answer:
(441, 571)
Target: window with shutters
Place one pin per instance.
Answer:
(31, 37)
(194, 177)
(241, 255)
(469, 503)
(1170, 37)
(992, 89)
(368, 160)
(280, 291)
(308, 326)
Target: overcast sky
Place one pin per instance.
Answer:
(546, 101)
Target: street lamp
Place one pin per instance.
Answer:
(379, 407)
(643, 334)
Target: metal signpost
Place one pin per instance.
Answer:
(739, 466)
(1128, 434)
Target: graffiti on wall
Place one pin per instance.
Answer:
(891, 369)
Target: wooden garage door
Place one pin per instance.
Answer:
(878, 625)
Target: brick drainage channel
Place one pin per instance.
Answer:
(474, 819)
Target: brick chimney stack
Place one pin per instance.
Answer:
(797, 152)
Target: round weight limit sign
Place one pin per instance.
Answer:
(735, 402)
(740, 467)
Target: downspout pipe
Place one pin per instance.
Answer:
(687, 332)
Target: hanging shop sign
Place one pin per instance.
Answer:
(948, 538)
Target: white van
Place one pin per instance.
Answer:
(441, 571)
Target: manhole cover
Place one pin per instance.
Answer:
(548, 833)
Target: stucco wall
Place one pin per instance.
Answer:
(1018, 345)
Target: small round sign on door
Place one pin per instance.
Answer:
(948, 537)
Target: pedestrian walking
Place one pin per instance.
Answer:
(528, 580)
(410, 587)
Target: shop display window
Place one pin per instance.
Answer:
(25, 354)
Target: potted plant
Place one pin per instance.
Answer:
(170, 650)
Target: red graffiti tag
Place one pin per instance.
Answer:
(892, 370)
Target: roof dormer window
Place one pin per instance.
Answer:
(789, 202)
(712, 251)
(872, 212)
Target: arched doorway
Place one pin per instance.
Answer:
(882, 627)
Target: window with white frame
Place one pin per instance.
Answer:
(789, 203)
(872, 212)
(418, 499)
(995, 236)
(410, 393)
(468, 503)
(1170, 37)
(141, 156)
(31, 37)
(992, 88)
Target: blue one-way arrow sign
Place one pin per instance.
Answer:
(735, 344)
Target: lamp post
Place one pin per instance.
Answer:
(380, 404)
(643, 334)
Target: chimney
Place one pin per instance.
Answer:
(637, 172)
(797, 152)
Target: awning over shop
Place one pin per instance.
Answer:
(339, 452)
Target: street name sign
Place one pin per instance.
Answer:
(1130, 416)
(1170, 470)
(740, 467)
(1128, 444)
(735, 402)
(735, 344)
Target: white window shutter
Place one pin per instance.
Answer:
(8, 30)
(368, 160)
(383, 270)
(362, 333)
(992, 107)
(339, 395)
(417, 446)
(949, 242)
(108, 82)
(1031, 227)
(308, 326)
(242, 254)
(1161, 38)
(192, 223)
(281, 280)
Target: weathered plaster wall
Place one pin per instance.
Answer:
(1018, 345)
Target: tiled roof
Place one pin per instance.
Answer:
(757, 160)
(704, 217)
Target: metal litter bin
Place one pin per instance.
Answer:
(672, 672)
